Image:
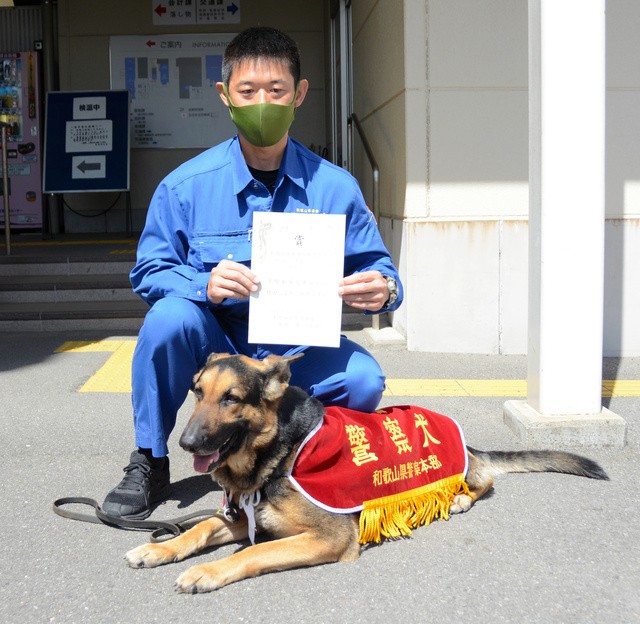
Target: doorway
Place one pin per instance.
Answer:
(341, 80)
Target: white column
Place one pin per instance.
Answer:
(566, 227)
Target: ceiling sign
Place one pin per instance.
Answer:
(175, 12)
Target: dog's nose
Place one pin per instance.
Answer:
(191, 439)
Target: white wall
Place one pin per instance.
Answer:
(471, 246)
(622, 231)
(441, 88)
(448, 117)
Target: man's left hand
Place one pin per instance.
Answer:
(364, 291)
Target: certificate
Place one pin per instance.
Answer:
(299, 260)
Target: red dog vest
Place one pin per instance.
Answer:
(400, 467)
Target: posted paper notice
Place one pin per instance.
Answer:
(299, 260)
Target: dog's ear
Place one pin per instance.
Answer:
(210, 360)
(277, 375)
(196, 377)
(215, 356)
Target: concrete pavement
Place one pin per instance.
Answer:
(540, 548)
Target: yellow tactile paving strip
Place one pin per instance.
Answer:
(457, 387)
(115, 376)
(621, 388)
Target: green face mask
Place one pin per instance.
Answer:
(263, 124)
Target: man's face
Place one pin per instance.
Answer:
(263, 81)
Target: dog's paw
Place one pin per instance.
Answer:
(150, 556)
(198, 579)
(460, 504)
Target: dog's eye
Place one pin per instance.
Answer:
(198, 393)
(230, 398)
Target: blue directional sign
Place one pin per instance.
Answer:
(86, 144)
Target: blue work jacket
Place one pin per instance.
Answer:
(202, 213)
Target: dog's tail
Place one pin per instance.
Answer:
(501, 462)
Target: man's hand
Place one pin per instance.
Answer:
(231, 279)
(365, 291)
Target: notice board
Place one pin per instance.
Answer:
(86, 141)
(172, 83)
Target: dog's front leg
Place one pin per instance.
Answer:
(211, 532)
(282, 554)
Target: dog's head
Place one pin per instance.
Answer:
(236, 409)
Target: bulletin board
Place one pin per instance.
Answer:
(172, 83)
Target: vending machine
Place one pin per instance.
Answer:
(20, 108)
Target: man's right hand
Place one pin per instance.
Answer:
(231, 280)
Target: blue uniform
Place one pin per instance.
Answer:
(201, 214)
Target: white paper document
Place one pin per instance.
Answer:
(299, 260)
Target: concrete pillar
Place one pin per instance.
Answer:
(566, 229)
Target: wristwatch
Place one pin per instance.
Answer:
(392, 286)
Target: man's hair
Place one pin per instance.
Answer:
(261, 42)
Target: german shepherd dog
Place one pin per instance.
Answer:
(245, 429)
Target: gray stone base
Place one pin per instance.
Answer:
(537, 431)
(384, 336)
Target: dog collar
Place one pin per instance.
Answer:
(229, 512)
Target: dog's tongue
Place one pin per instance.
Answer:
(201, 463)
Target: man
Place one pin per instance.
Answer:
(194, 261)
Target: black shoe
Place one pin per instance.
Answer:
(146, 482)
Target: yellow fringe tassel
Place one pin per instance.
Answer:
(395, 516)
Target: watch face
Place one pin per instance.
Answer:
(392, 286)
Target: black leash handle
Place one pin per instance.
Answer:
(162, 530)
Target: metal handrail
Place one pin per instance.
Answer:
(354, 121)
(375, 208)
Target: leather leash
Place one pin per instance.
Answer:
(162, 530)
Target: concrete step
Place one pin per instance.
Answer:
(57, 288)
(81, 315)
(110, 315)
(47, 266)
(73, 285)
